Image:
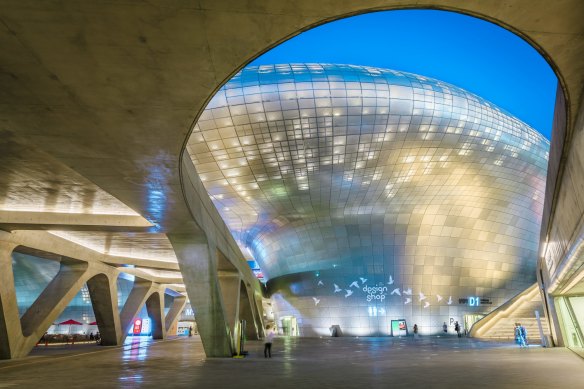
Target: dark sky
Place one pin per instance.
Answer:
(473, 54)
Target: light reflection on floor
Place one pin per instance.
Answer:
(135, 349)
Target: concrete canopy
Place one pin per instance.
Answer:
(109, 91)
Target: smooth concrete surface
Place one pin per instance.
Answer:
(428, 362)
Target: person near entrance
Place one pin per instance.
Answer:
(445, 328)
(457, 329)
(268, 343)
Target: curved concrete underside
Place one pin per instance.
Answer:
(102, 97)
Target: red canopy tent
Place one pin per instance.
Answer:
(70, 323)
(93, 323)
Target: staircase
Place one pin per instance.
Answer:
(500, 323)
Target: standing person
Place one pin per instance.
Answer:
(91, 337)
(457, 329)
(415, 330)
(445, 328)
(523, 334)
(517, 333)
(190, 331)
(268, 342)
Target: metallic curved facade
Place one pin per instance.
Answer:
(368, 195)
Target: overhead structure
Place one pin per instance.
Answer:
(369, 194)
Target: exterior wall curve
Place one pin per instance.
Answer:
(368, 194)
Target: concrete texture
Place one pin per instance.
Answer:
(97, 99)
(309, 363)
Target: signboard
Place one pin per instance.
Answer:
(137, 327)
(141, 327)
(399, 327)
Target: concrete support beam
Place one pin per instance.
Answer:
(19, 220)
(155, 308)
(178, 304)
(10, 332)
(103, 291)
(229, 286)
(246, 312)
(55, 298)
(198, 262)
(140, 292)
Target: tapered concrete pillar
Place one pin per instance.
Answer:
(51, 302)
(246, 313)
(178, 304)
(10, 332)
(198, 264)
(155, 308)
(103, 291)
(229, 285)
(140, 292)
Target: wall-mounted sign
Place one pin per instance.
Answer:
(475, 301)
(137, 327)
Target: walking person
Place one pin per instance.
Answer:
(268, 342)
(445, 328)
(190, 331)
(415, 330)
(457, 329)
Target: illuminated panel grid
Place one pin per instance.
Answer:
(374, 172)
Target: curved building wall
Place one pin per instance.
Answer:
(368, 195)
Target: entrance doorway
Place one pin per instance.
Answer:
(289, 326)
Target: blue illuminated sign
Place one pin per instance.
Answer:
(474, 301)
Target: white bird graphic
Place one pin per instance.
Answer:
(337, 289)
(426, 304)
(396, 291)
(449, 300)
(316, 301)
(390, 282)
(408, 300)
(408, 291)
(320, 283)
(355, 284)
(439, 297)
(349, 292)
(422, 296)
(363, 280)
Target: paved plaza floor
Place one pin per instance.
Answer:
(428, 362)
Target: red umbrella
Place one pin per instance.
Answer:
(71, 322)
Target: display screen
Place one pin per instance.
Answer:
(399, 328)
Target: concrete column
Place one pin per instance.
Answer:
(229, 286)
(10, 331)
(259, 308)
(178, 304)
(103, 290)
(246, 313)
(198, 264)
(138, 296)
(155, 308)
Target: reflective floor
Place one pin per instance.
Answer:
(302, 363)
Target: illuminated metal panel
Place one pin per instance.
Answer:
(334, 174)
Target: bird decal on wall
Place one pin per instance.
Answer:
(316, 301)
(337, 289)
(349, 292)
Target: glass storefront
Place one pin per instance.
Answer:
(571, 314)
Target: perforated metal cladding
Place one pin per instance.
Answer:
(359, 171)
